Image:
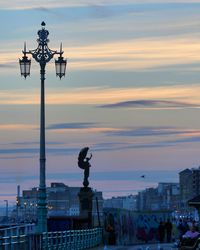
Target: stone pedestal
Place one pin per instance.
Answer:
(85, 198)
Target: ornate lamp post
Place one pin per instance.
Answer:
(42, 54)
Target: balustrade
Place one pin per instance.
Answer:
(63, 240)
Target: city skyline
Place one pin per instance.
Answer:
(131, 93)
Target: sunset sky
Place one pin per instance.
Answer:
(131, 93)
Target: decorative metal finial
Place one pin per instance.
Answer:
(43, 23)
(24, 51)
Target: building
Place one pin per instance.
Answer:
(189, 185)
(164, 197)
(148, 199)
(62, 200)
(130, 203)
(114, 202)
(169, 195)
(121, 202)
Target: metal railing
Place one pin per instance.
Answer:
(64, 240)
(24, 229)
(72, 240)
(20, 242)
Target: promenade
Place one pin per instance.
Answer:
(169, 246)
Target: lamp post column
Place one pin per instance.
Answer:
(42, 204)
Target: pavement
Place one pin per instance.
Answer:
(169, 246)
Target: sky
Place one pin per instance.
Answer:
(131, 93)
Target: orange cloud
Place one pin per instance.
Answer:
(137, 54)
(98, 96)
(16, 126)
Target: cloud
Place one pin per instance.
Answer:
(28, 4)
(150, 104)
(81, 125)
(166, 96)
(171, 137)
(31, 151)
(133, 54)
(145, 145)
(19, 150)
(163, 143)
(45, 4)
(154, 131)
(37, 143)
(16, 157)
(61, 127)
(17, 126)
(96, 175)
(159, 137)
(185, 140)
(7, 65)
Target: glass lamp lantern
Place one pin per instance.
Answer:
(25, 66)
(60, 64)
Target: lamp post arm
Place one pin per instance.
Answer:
(46, 55)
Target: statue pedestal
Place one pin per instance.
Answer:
(85, 197)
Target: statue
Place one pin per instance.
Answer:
(83, 163)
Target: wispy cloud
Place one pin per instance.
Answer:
(146, 144)
(27, 143)
(23, 4)
(80, 125)
(166, 96)
(17, 126)
(130, 54)
(155, 104)
(152, 137)
(31, 151)
(137, 54)
(187, 134)
(7, 65)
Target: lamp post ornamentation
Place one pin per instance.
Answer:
(42, 54)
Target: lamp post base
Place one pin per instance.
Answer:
(41, 212)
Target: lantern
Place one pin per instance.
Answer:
(25, 66)
(60, 64)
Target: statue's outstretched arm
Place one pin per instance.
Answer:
(89, 158)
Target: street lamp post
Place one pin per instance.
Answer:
(42, 54)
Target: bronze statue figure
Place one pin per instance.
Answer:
(83, 163)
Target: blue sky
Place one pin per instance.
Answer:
(131, 93)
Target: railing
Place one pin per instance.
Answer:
(65, 240)
(72, 240)
(20, 242)
(17, 230)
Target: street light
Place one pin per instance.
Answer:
(42, 54)
(25, 64)
(60, 64)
